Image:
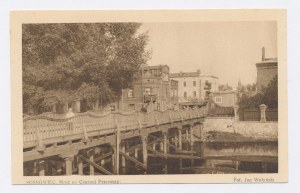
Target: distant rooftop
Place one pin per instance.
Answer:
(185, 74)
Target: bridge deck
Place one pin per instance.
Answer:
(40, 132)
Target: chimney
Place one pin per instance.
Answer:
(263, 58)
(199, 71)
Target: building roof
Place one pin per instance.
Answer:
(225, 92)
(190, 74)
(269, 62)
(185, 74)
(209, 76)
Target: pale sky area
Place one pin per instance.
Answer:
(228, 50)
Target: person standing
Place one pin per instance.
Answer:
(69, 116)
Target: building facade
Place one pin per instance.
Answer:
(192, 86)
(225, 98)
(152, 90)
(267, 69)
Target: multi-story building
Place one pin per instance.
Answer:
(267, 69)
(192, 86)
(152, 90)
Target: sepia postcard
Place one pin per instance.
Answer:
(149, 96)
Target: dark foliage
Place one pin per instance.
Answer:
(268, 96)
(65, 62)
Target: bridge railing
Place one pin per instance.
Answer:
(44, 127)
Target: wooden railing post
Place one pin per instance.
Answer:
(39, 142)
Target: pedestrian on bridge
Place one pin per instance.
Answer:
(69, 116)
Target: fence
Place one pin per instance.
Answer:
(255, 114)
(272, 114)
(221, 112)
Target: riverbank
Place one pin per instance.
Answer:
(222, 136)
(227, 129)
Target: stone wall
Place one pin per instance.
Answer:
(255, 130)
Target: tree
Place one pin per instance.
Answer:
(225, 87)
(66, 62)
(268, 96)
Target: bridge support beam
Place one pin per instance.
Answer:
(102, 162)
(192, 136)
(68, 158)
(69, 168)
(176, 141)
(179, 139)
(144, 147)
(79, 166)
(90, 154)
(154, 146)
(41, 167)
(123, 149)
(116, 163)
(165, 143)
(201, 133)
(161, 146)
(116, 160)
(136, 152)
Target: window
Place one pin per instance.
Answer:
(194, 83)
(194, 93)
(184, 94)
(184, 84)
(129, 94)
(218, 99)
(172, 93)
(175, 93)
(147, 91)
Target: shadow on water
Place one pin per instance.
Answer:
(218, 158)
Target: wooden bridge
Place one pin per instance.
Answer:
(89, 144)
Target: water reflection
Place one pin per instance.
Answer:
(218, 158)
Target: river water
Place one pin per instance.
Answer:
(212, 158)
(218, 158)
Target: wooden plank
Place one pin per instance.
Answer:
(51, 151)
(102, 169)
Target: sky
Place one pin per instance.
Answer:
(228, 50)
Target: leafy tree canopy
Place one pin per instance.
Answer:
(268, 96)
(66, 62)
